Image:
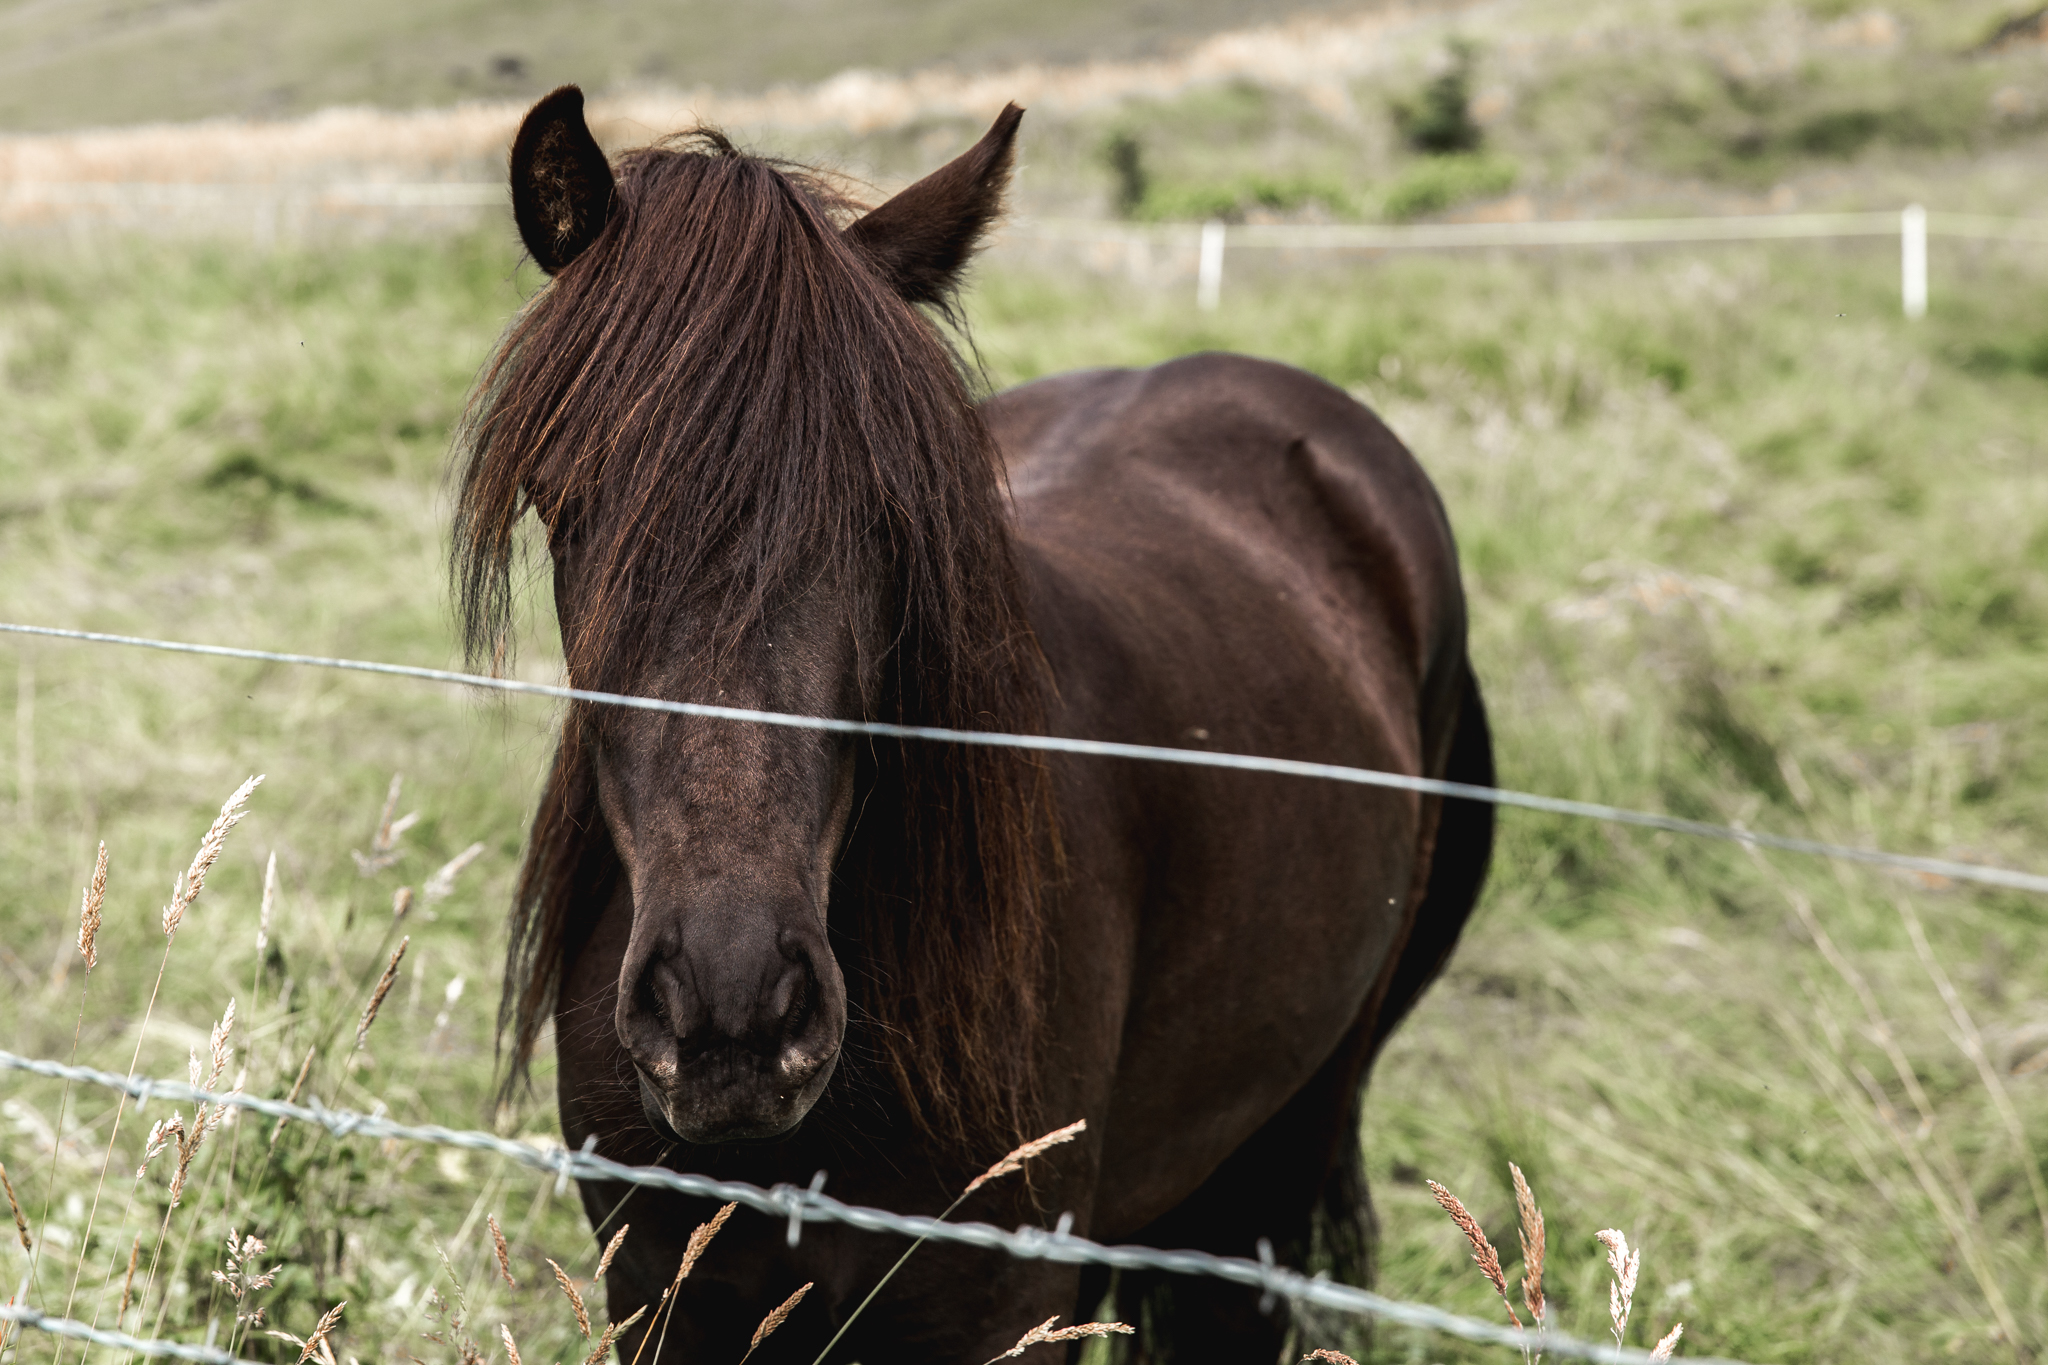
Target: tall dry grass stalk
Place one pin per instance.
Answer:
(1326, 1354)
(442, 884)
(292, 1097)
(1046, 1332)
(91, 903)
(1532, 1246)
(1621, 1294)
(383, 989)
(504, 1258)
(575, 1299)
(1014, 1162)
(241, 1279)
(511, 1346)
(611, 1249)
(693, 1251)
(1483, 1254)
(28, 1245)
(89, 911)
(1625, 1263)
(268, 909)
(184, 891)
(776, 1317)
(1009, 1164)
(1948, 1191)
(1972, 1044)
(316, 1344)
(128, 1280)
(611, 1334)
(189, 1138)
(384, 850)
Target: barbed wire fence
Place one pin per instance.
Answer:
(810, 1204)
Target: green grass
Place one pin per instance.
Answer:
(207, 443)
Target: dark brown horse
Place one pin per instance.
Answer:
(769, 952)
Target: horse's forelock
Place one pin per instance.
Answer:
(721, 399)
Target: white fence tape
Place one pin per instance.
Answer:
(267, 206)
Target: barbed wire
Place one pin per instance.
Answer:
(37, 1319)
(1201, 758)
(800, 1205)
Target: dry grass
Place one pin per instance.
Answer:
(1483, 1254)
(384, 982)
(1624, 1262)
(1046, 1333)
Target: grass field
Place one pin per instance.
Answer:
(1741, 545)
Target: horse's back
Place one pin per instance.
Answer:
(1230, 554)
(1224, 476)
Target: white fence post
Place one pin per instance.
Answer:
(1913, 260)
(1209, 277)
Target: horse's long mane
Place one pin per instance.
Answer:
(723, 402)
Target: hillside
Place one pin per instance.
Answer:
(129, 61)
(1553, 108)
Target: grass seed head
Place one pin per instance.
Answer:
(1663, 1349)
(384, 844)
(1622, 1293)
(1046, 1332)
(1483, 1253)
(442, 883)
(269, 904)
(89, 911)
(187, 888)
(1015, 1160)
(1333, 1357)
(575, 1299)
(383, 989)
(611, 1249)
(611, 1334)
(128, 1285)
(778, 1315)
(20, 1223)
(161, 1134)
(1532, 1245)
(504, 1257)
(511, 1346)
(701, 1239)
(315, 1344)
(220, 1053)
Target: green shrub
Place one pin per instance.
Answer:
(1439, 120)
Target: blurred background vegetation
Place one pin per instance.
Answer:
(1742, 544)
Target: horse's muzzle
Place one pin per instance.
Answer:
(734, 1026)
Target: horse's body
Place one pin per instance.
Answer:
(1217, 553)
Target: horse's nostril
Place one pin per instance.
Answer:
(798, 1013)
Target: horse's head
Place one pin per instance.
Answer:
(764, 487)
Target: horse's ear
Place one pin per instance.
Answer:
(562, 191)
(920, 239)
